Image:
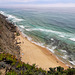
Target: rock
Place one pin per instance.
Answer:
(7, 37)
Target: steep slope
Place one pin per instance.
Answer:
(7, 37)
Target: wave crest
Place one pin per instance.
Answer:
(73, 39)
(11, 17)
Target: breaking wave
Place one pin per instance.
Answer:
(50, 40)
(60, 34)
(73, 39)
(11, 17)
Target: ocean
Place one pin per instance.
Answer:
(51, 28)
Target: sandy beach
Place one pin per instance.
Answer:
(33, 54)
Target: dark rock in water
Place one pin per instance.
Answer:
(7, 37)
(70, 59)
(59, 44)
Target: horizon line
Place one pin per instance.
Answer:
(40, 5)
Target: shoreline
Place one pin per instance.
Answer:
(28, 38)
(49, 60)
(39, 56)
(13, 48)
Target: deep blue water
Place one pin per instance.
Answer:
(53, 28)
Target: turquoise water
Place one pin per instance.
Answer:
(53, 28)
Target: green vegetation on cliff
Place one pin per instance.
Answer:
(14, 66)
(9, 65)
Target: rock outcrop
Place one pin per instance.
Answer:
(7, 37)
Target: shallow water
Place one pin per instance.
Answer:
(53, 28)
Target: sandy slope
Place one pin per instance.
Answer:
(34, 54)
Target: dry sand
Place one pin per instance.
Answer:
(33, 54)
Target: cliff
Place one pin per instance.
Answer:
(7, 37)
(9, 65)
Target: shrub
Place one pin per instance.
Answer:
(11, 73)
(17, 34)
(60, 69)
(21, 68)
(0, 73)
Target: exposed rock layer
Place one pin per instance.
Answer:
(7, 37)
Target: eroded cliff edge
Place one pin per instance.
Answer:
(7, 37)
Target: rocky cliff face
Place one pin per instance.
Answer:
(7, 37)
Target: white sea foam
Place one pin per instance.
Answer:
(72, 62)
(52, 39)
(73, 39)
(30, 39)
(61, 35)
(1, 12)
(45, 30)
(64, 51)
(51, 49)
(14, 18)
(39, 44)
(65, 56)
(17, 20)
(21, 26)
(26, 26)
